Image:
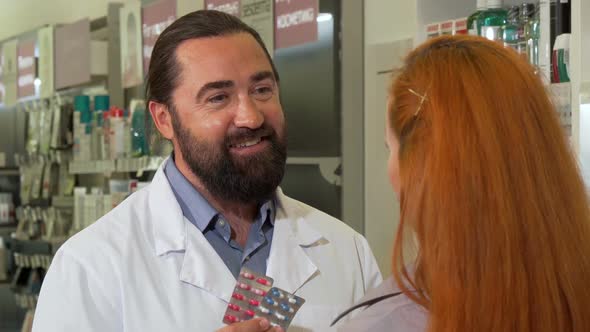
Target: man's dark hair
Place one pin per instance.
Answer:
(164, 70)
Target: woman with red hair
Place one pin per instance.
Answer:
(490, 191)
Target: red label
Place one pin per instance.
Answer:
(447, 25)
(295, 22)
(461, 27)
(432, 28)
(156, 18)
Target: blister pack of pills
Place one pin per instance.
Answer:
(254, 297)
(279, 307)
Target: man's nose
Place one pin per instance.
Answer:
(248, 115)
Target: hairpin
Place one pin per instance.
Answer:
(422, 99)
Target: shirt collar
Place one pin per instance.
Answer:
(197, 209)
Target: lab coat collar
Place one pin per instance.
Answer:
(288, 263)
(166, 215)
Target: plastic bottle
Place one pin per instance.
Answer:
(531, 32)
(138, 137)
(101, 105)
(117, 133)
(82, 127)
(472, 19)
(492, 21)
(513, 30)
(106, 129)
(560, 59)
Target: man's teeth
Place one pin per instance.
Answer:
(248, 143)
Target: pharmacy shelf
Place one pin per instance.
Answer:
(92, 167)
(139, 165)
(9, 172)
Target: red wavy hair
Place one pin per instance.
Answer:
(491, 191)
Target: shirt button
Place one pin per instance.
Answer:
(221, 223)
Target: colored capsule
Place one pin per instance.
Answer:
(238, 296)
(245, 287)
(275, 292)
(234, 307)
(259, 292)
(231, 319)
(269, 301)
(293, 300)
(281, 317)
(286, 307)
(247, 275)
(254, 303)
(249, 313)
(263, 281)
(265, 310)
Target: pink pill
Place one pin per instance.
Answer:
(248, 275)
(234, 307)
(238, 296)
(249, 313)
(245, 287)
(231, 319)
(259, 292)
(254, 303)
(262, 281)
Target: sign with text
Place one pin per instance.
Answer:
(295, 22)
(227, 6)
(259, 15)
(72, 54)
(130, 37)
(156, 18)
(45, 39)
(9, 72)
(26, 68)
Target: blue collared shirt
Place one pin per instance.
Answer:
(217, 230)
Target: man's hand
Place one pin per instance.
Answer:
(252, 325)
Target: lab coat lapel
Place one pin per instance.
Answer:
(288, 263)
(203, 268)
(173, 233)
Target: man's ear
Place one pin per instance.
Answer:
(162, 119)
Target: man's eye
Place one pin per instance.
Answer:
(218, 98)
(263, 92)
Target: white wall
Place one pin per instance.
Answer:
(390, 27)
(389, 20)
(18, 16)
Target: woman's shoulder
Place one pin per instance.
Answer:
(396, 313)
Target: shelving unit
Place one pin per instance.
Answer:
(429, 11)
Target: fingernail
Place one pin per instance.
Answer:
(264, 324)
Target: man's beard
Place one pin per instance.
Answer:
(251, 179)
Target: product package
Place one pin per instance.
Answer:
(255, 297)
(460, 27)
(446, 28)
(33, 128)
(433, 30)
(45, 123)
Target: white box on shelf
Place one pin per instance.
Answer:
(98, 58)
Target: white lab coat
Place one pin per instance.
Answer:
(144, 267)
